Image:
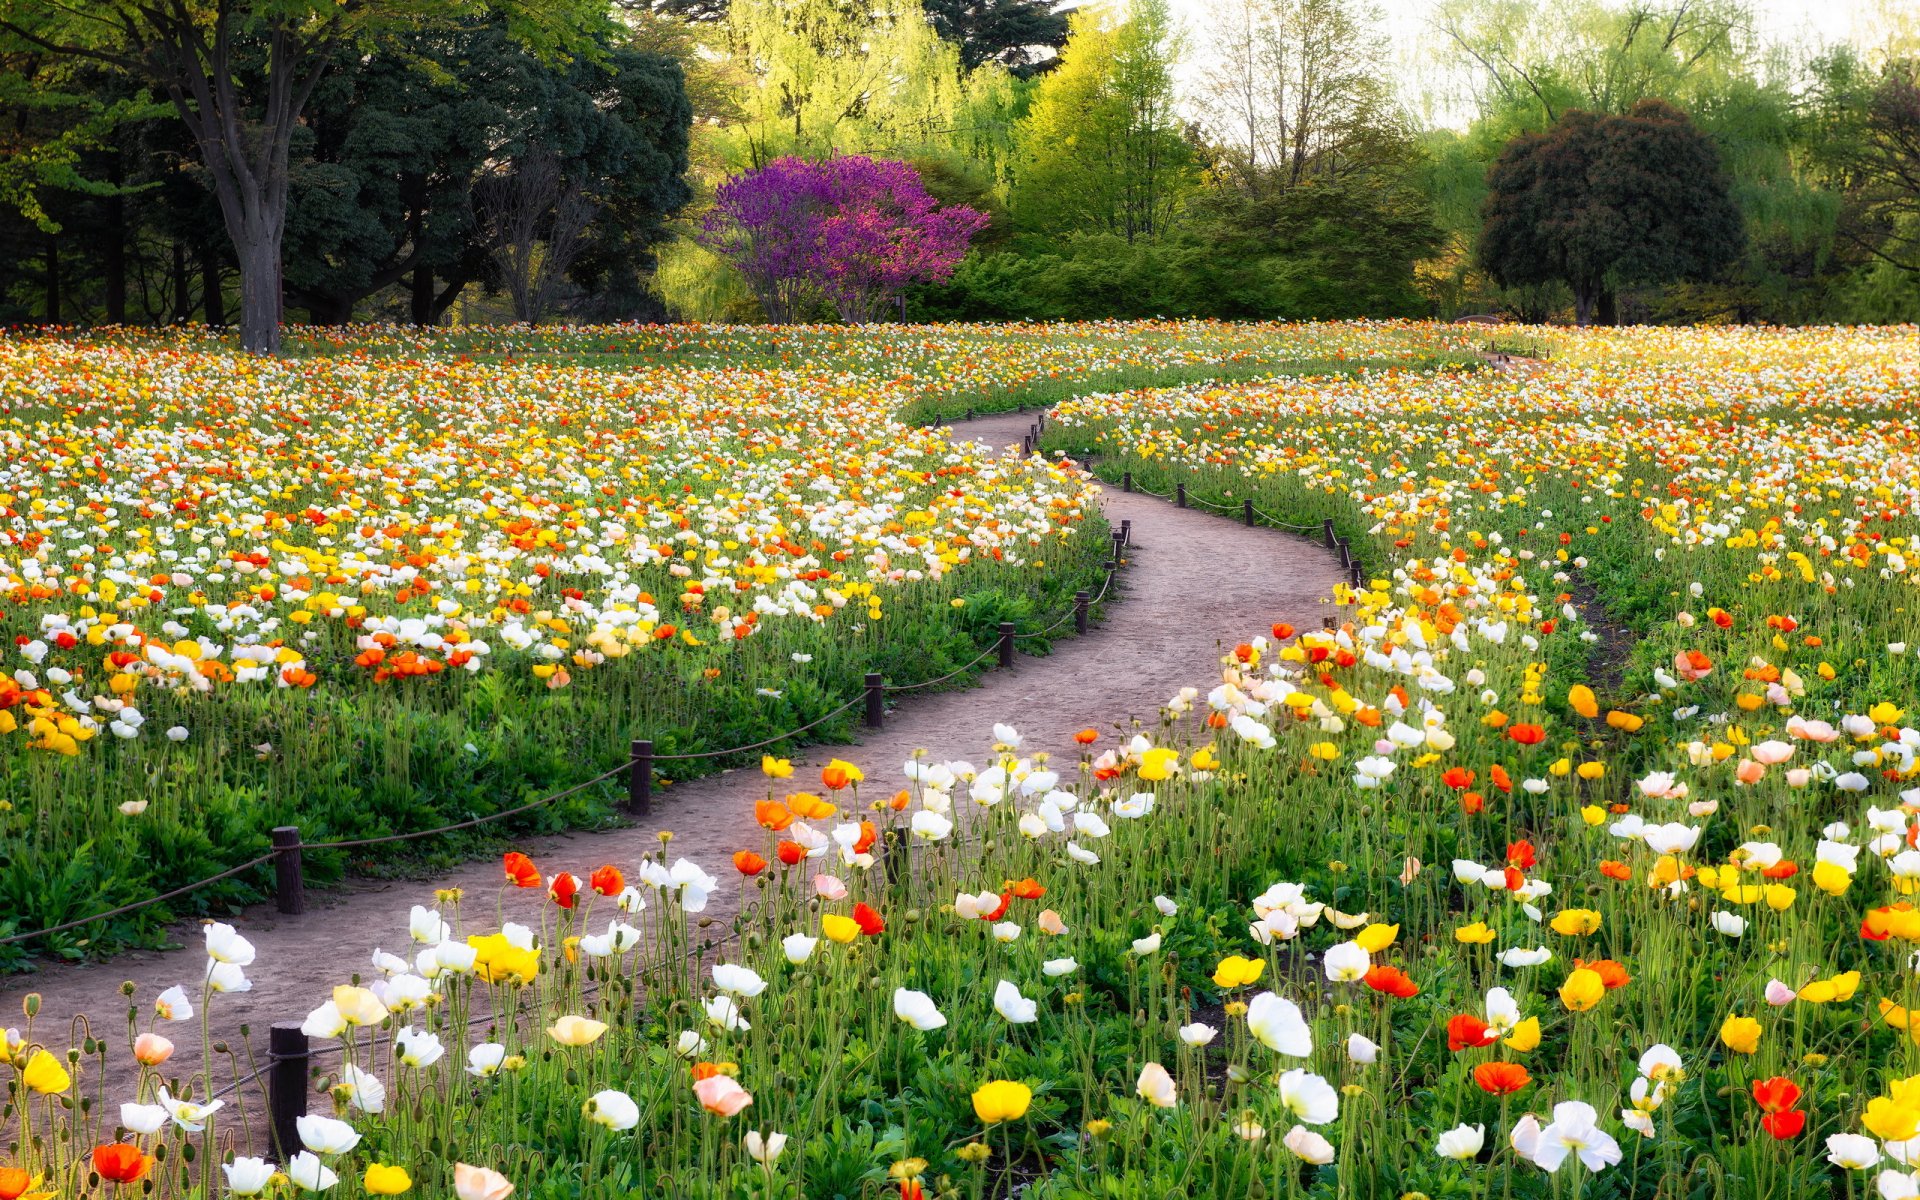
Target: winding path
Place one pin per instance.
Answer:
(1195, 584)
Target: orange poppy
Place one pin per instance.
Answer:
(608, 881)
(520, 870)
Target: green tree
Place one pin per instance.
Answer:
(387, 166)
(822, 76)
(1598, 202)
(1102, 149)
(240, 74)
(1870, 147)
(1023, 36)
(1295, 88)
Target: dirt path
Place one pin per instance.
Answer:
(1196, 584)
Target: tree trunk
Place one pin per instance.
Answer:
(423, 295)
(1607, 309)
(115, 255)
(53, 279)
(182, 294)
(259, 253)
(212, 302)
(444, 300)
(1583, 301)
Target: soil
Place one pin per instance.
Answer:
(1194, 585)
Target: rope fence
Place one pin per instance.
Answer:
(288, 849)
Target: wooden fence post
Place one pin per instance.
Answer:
(1326, 533)
(1006, 643)
(289, 882)
(876, 700)
(288, 1057)
(1246, 508)
(640, 779)
(1082, 601)
(1180, 495)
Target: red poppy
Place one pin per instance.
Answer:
(1501, 1078)
(1514, 878)
(1006, 899)
(748, 863)
(564, 889)
(1614, 869)
(14, 1181)
(1527, 735)
(120, 1162)
(1393, 981)
(1776, 1095)
(1784, 1125)
(868, 836)
(1087, 737)
(1028, 889)
(1472, 802)
(608, 881)
(1502, 780)
(1282, 632)
(868, 920)
(520, 870)
(910, 1189)
(1466, 1031)
(1787, 870)
(1458, 778)
(790, 852)
(1520, 854)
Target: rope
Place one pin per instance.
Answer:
(780, 737)
(468, 824)
(139, 904)
(1265, 517)
(960, 670)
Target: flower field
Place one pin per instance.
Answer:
(1576, 857)
(366, 589)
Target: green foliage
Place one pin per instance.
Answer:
(1322, 250)
(1015, 34)
(1101, 150)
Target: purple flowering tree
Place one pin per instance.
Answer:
(851, 231)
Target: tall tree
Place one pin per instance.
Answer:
(1539, 61)
(1870, 144)
(1294, 88)
(1598, 202)
(240, 73)
(397, 149)
(823, 76)
(1102, 148)
(1024, 36)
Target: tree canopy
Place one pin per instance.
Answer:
(1600, 201)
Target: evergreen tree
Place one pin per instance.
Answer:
(1024, 36)
(1598, 202)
